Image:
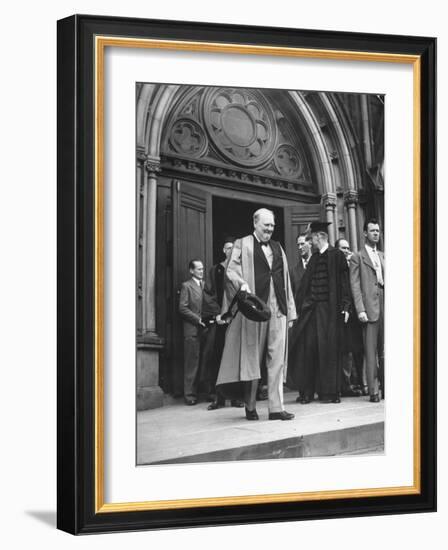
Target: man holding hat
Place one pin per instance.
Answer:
(323, 305)
(258, 265)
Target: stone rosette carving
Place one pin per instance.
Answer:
(188, 138)
(287, 161)
(241, 125)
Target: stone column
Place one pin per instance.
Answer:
(351, 201)
(149, 343)
(329, 200)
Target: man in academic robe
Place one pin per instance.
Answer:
(367, 283)
(323, 304)
(258, 265)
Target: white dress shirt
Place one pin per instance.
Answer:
(375, 259)
(267, 251)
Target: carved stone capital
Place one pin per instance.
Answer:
(351, 198)
(329, 200)
(152, 166)
(141, 155)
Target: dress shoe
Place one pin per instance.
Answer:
(251, 415)
(283, 415)
(237, 403)
(215, 405)
(351, 392)
(365, 390)
(303, 400)
(330, 399)
(190, 401)
(374, 398)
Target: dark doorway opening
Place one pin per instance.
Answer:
(233, 217)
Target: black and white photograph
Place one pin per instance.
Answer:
(261, 274)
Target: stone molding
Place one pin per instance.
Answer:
(234, 174)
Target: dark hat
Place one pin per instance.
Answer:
(229, 239)
(250, 306)
(315, 227)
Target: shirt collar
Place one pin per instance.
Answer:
(255, 235)
(373, 248)
(324, 248)
(197, 281)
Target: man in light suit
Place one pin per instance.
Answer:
(258, 265)
(190, 308)
(367, 283)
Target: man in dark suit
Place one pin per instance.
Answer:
(190, 308)
(352, 348)
(323, 303)
(213, 344)
(298, 270)
(296, 274)
(367, 283)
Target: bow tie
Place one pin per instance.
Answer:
(265, 244)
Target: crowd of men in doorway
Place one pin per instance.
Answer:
(324, 334)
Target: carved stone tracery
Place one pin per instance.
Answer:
(241, 124)
(187, 138)
(287, 161)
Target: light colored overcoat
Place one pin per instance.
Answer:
(364, 284)
(241, 359)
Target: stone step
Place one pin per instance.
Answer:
(180, 434)
(359, 440)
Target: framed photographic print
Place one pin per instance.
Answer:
(246, 261)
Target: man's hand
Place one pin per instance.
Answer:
(346, 316)
(220, 321)
(245, 287)
(363, 317)
(201, 324)
(290, 323)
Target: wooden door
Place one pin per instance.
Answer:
(193, 239)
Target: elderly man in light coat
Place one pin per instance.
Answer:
(258, 264)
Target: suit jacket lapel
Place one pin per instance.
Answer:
(381, 256)
(196, 288)
(366, 258)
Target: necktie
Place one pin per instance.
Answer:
(377, 265)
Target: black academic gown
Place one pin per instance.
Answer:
(329, 379)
